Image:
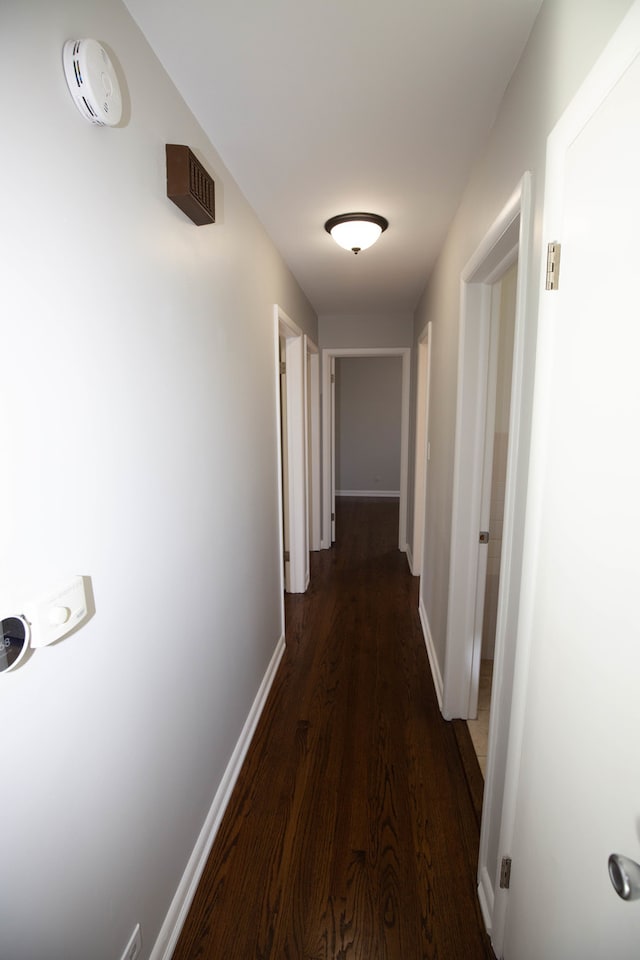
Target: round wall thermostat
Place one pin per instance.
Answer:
(14, 641)
(92, 82)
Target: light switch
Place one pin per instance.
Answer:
(56, 614)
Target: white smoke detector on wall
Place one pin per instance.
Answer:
(92, 82)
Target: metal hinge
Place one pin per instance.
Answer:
(333, 516)
(553, 266)
(484, 536)
(283, 367)
(333, 378)
(505, 873)
(287, 556)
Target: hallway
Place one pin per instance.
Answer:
(350, 834)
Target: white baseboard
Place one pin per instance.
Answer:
(368, 493)
(175, 918)
(409, 554)
(486, 898)
(431, 653)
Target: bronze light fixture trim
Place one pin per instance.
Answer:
(356, 231)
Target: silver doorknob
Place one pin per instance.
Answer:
(625, 876)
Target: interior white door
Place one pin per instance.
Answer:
(315, 482)
(421, 449)
(293, 449)
(284, 432)
(579, 791)
(333, 449)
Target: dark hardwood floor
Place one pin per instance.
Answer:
(351, 834)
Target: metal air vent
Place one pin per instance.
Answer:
(189, 185)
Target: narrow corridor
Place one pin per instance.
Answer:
(350, 834)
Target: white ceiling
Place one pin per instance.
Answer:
(326, 107)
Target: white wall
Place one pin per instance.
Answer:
(566, 39)
(368, 421)
(138, 415)
(377, 330)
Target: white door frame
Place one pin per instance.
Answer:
(508, 238)
(510, 232)
(314, 480)
(423, 390)
(494, 313)
(296, 571)
(328, 452)
(332, 448)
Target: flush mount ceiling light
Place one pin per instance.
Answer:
(356, 231)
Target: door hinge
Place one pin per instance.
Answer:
(505, 873)
(283, 367)
(333, 516)
(553, 266)
(287, 556)
(333, 378)
(484, 536)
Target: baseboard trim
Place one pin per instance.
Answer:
(486, 898)
(368, 493)
(170, 931)
(409, 554)
(431, 653)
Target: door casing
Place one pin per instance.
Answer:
(296, 570)
(421, 453)
(508, 238)
(314, 474)
(328, 438)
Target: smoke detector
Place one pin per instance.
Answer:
(92, 82)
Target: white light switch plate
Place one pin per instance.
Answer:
(56, 614)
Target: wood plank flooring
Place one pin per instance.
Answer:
(350, 834)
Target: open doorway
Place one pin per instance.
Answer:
(329, 356)
(503, 294)
(368, 408)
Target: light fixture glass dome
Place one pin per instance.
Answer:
(356, 231)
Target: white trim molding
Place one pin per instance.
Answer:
(296, 575)
(421, 448)
(314, 472)
(431, 653)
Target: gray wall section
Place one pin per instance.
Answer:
(138, 401)
(368, 416)
(565, 41)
